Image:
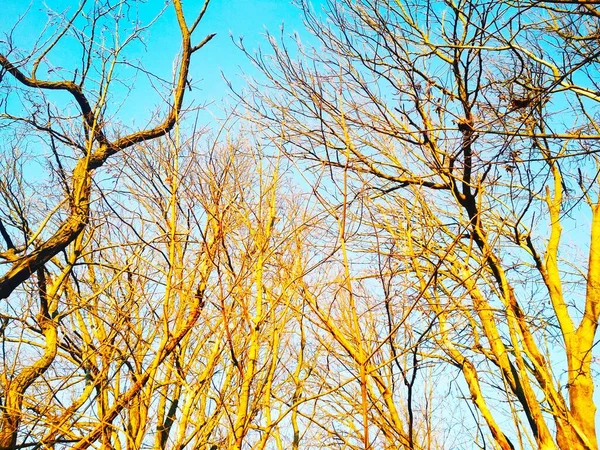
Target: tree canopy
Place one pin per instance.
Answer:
(392, 240)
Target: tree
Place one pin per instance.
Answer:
(469, 132)
(47, 237)
(168, 288)
(152, 276)
(177, 324)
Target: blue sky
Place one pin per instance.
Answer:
(133, 105)
(238, 18)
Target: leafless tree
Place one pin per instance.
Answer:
(46, 219)
(469, 131)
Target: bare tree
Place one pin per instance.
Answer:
(469, 130)
(436, 287)
(45, 235)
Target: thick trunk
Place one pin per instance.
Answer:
(15, 389)
(581, 428)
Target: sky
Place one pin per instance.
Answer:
(229, 19)
(133, 104)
